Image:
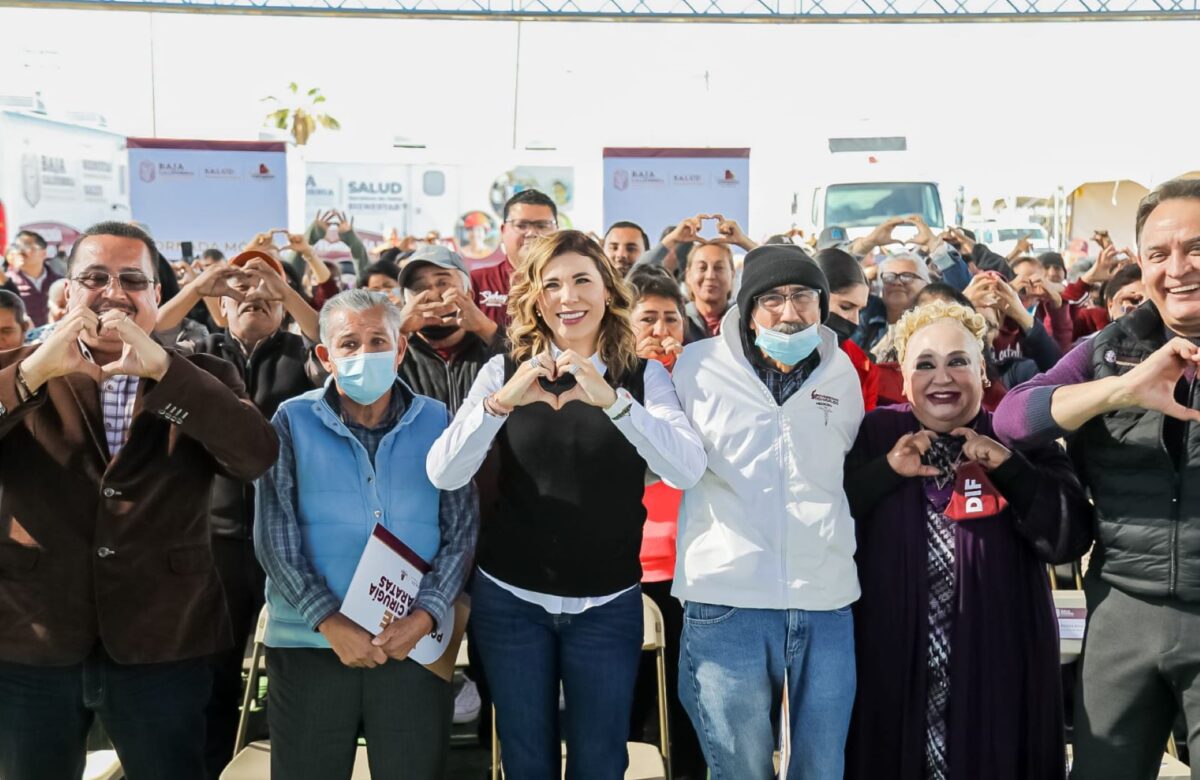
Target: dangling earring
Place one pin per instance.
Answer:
(986, 382)
(608, 302)
(537, 313)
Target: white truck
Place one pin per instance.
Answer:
(57, 178)
(868, 177)
(858, 206)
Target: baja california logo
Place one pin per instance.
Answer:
(147, 171)
(621, 180)
(31, 179)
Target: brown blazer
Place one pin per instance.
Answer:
(118, 551)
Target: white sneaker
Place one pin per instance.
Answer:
(467, 703)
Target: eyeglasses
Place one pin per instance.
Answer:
(888, 277)
(801, 299)
(525, 226)
(130, 281)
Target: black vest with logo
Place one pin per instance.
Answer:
(569, 514)
(1144, 474)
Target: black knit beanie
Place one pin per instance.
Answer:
(776, 265)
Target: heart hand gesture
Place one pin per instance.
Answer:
(688, 230)
(219, 281)
(590, 387)
(905, 456)
(1151, 385)
(985, 451)
(60, 354)
(141, 355)
(525, 388)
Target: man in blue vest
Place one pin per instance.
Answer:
(352, 454)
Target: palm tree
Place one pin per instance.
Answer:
(300, 112)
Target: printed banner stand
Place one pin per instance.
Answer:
(216, 194)
(656, 188)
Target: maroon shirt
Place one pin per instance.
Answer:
(490, 286)
(37, 302)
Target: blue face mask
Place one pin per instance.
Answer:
(366, 377)
(788, 348)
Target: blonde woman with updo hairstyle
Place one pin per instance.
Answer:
(575, 422)
(957, 647)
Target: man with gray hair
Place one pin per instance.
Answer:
(351, 457)
(901, 277)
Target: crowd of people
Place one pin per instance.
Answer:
(837, 468)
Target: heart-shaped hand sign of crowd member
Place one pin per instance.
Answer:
(701, 219)
(728, 231)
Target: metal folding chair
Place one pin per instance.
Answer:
(253, 761)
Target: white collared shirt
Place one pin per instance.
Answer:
(658, 430)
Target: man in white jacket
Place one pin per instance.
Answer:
(766, 541)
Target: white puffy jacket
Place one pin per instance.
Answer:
(768, 526)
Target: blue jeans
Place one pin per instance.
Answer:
(154, 714)
(731, 669)
(526, 651)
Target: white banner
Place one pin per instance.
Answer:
(375, 197)
(659, 187)
(212, 193)
(58, 178)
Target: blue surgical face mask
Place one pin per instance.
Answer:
(788, 348)
(366, 377)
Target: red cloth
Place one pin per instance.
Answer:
(490, 286)
(713, 324)
(1058, 324)
(658, 535)
(868, 373)
(1089, 320)
(993, 393)
(324, 291)
(1087, 316)
(1076, 292)
(448, 354)
(891, 384)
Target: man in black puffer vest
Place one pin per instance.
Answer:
(1128, 402)
(275, 365)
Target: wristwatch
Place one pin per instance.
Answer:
(620, 407)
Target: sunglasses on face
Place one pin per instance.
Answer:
(130, 281)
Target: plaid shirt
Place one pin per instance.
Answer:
(783, 386)
(117, 396)
(279, 545)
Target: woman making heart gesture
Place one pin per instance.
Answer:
(957, 652)
(575, 420)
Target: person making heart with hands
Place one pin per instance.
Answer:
(575, 420)
(112, 307)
